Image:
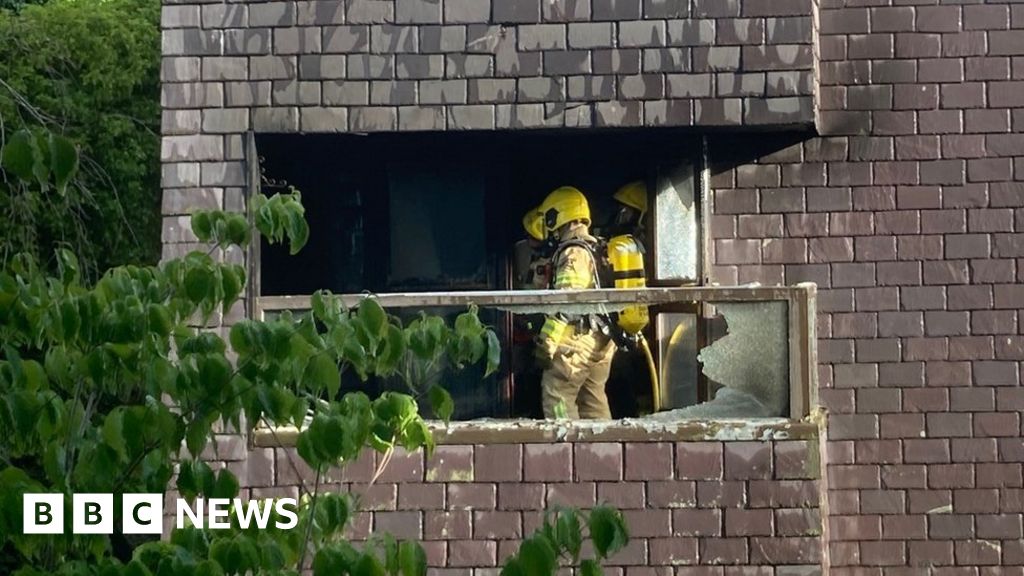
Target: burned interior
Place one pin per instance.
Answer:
(395, 214)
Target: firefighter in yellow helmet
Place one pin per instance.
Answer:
(531, 267)
(576, 349)
(626, 256)
(532, 256)
(632, 199)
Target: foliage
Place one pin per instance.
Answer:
(18, 4)
(101, 384)
(560, 539)
(89, 71)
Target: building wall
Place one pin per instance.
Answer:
(908, 212)
(700, 506)
(907, 209)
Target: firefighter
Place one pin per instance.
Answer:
(532, 260)
(576, 349)
(633, 206)
(626, 251)
(626, 257)
(531, 271)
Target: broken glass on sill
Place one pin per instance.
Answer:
(750, 363)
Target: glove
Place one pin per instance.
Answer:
(544, 352)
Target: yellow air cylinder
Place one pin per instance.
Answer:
(626, 257)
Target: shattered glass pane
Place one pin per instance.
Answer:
(751, 363)
(677, 344)
(676, 233)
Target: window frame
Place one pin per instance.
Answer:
(801, 312)
(801, 298)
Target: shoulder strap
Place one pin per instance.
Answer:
(591, 249)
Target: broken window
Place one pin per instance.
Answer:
(401, 214)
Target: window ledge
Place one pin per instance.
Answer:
(487, 431)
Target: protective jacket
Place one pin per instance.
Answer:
(577, 347)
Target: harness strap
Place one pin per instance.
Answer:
(572, 280)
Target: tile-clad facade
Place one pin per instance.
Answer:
(908, 212)
(383, 65)
(906, 208)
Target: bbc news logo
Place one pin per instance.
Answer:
(143, 513)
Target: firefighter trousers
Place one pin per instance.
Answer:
(577, 376)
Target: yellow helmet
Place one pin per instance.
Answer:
(562, 206)
(533, 223)
(633, 195)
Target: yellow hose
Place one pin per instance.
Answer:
(655, 387)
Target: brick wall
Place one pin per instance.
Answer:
(908, 212)
(709, 507)
(371, 65)
(907, 209)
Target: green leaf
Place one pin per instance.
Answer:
(412, 560)
(220, 227)
(206, 478)
(208, 568)
(188, 483)
(297, 227)
(607, 531)
(468, 323)
(113, 433)
(389, 550)
(33, 375)
(198, 282)
(41, 157)
(196, 437)
(136, 568)
(322, 373)
(394, 350)
(231, 284)
(226, 485)
(247, 555)
(568, 533)
(277, 402)
(19, 155)
(162, 377)
(333, 510)
(202, 225)
(225, 552)
(513, 567)
(493, 353)
(331, 560)
(57, 365)
(243, 336)
(264, 217)
(368, 565)
(69, 267)
(590, 567)
(214, 374)
(237, 230)
(373, 317)
(441, 403)
(304, 446)
(63, 161)
(538, 557)
(318, 303)
(159, 319)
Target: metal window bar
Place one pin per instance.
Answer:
(801, 300)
